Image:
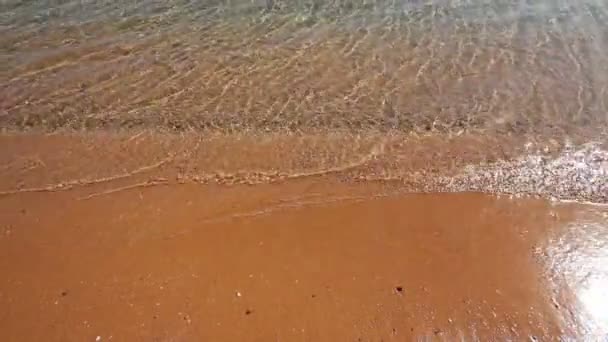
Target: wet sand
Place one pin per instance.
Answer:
(315, 258)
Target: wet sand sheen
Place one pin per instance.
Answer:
(303, 260)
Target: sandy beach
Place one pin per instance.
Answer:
(289, 170)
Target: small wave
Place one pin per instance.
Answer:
(576, 173)
(405, 163)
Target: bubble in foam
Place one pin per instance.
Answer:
(576, 173)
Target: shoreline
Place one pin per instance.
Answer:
(536, 166)
(261, 170)
(127, 244)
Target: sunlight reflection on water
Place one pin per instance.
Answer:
(594, 298)
(579, 257)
